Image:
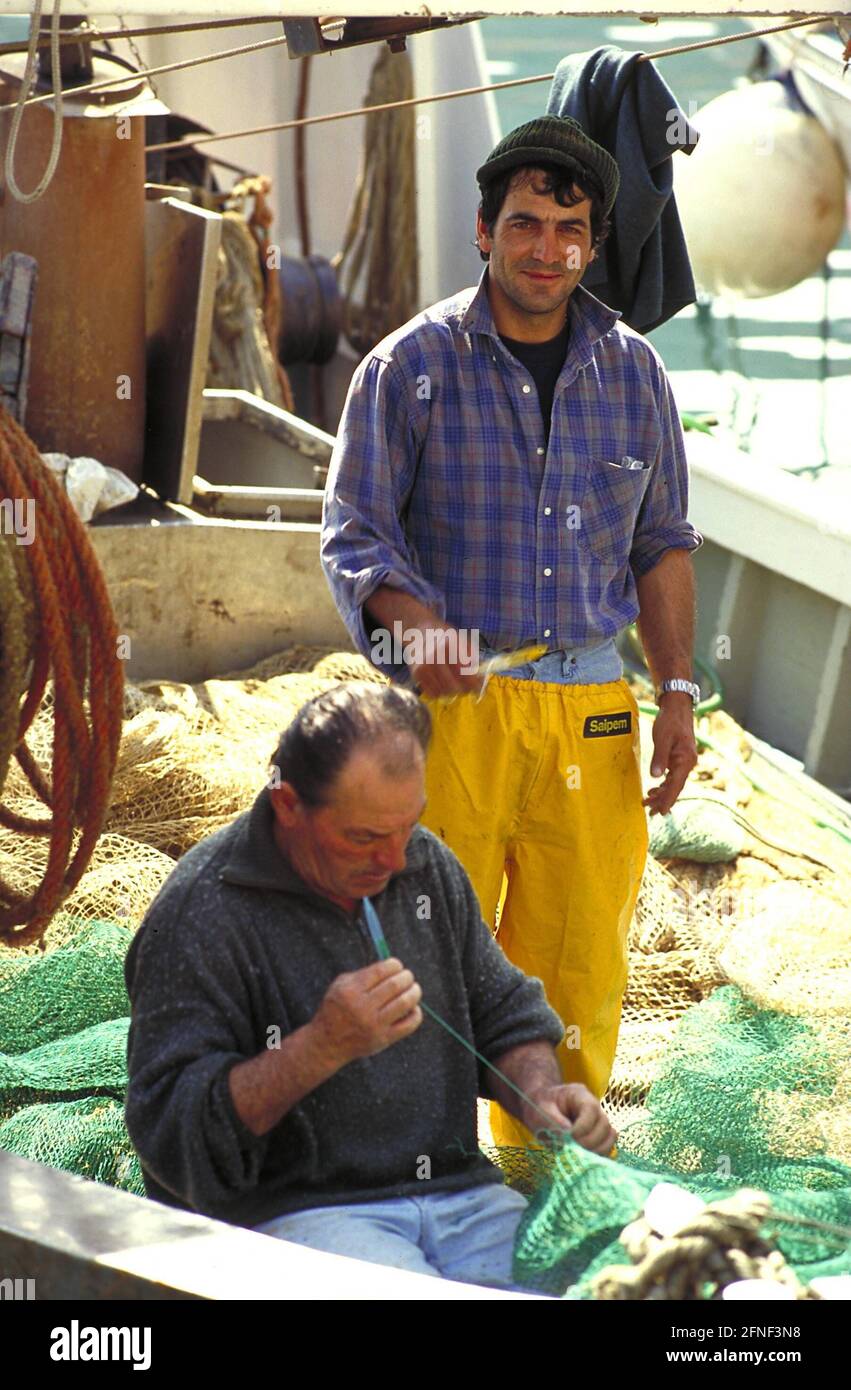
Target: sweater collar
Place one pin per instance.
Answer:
(590, 319)
(256, 862)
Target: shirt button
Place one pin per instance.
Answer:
(548, 572)
(546, 632)
(548, 511)
(526, 390)
(540, 450)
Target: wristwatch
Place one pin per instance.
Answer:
(688, 687)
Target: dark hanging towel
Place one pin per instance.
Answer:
(643, 269)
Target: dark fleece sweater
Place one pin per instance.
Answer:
(236, 945)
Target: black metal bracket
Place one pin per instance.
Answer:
(330, 34)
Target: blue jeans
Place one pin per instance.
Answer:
(580, 666)
(467, 1235)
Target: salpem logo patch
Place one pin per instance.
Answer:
(607, 725)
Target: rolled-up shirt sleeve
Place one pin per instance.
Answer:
(371, 475)
(663, 519)
(187, 1032)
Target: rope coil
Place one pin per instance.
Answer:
(56, 623)
(720, 1246)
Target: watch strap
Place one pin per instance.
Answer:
(677, 683)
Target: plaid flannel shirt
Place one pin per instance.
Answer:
(442, 485)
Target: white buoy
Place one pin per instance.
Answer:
(832, 1286)
(668, 1208)
(758, 1291)
(762, 197)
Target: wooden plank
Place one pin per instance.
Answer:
(76, 1239)
(778, 521)
(18, 279)
(181, 250)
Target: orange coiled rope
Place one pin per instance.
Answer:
(68, 636)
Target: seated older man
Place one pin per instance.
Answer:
(282, 1075)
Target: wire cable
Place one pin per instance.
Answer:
(22, 102)
(486, 87)
(91, 31)
(147, 73)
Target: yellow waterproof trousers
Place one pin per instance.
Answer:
(541, 782)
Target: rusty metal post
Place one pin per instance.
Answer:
(87, 233)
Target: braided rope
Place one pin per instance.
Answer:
(55, 95)
(719, 1246)
(382, 214)
(12, 659)
(75, 646)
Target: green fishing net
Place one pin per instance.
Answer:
(64, 1018)
(52, 995)
(699, 829)
(86, 1136)
(733, 1067)
(746, 1098)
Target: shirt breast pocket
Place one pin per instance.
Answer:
(611, 500)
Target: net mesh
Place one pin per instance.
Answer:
(733, 1059)
(745, 1098)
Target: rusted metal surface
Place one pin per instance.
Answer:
(87, 368)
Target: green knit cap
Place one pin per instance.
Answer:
(553, 140)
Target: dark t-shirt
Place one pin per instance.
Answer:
(544, 362)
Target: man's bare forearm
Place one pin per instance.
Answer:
(388, 605)
(267, 1086)
(666, 623)
(532, 1067)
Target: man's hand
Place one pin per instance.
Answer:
(363, 1012)
(533, 1068)
(575, 1109)
(674, 750)
(366, 1010)
(666, 625)
(436, 676)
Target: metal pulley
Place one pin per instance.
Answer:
(312, 310)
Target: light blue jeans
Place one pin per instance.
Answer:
(580, 666)
(467, 1235)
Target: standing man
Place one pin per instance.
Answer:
(509, 469)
